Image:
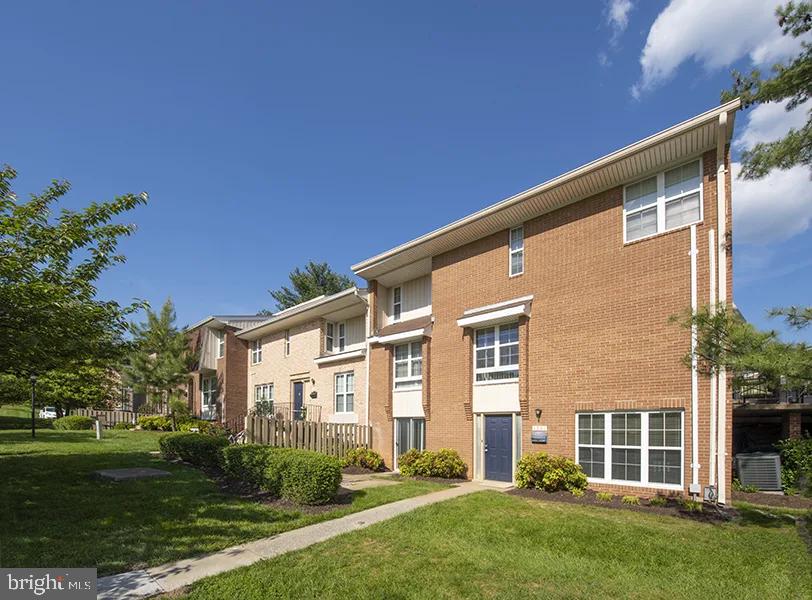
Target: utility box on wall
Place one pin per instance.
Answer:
(538, 435)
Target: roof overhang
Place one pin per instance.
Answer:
(344, 304)
(221, 321)
(680, 142)
(496, 313)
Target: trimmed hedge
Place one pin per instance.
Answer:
(444, 463)
(73, 423)
(364, 458)
(550, 473)
(195, 448)
(155, 423)
(297, 475)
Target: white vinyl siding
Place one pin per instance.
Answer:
(344, 392)
(632, 448)
(408, 366)
(496, 353)
(665, 201)
(516, 254)
(412, 301)
(344, 335)
(256, 352)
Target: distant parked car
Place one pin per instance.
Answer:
(47, 412)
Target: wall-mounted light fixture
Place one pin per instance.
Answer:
(538, 414)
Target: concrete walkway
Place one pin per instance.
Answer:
(172, 576)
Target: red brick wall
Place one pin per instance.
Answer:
(232, 373)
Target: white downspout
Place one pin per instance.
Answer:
(695, 488)
(367, 331)
(721, 433)
(712, 301)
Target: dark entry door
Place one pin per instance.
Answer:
(298, 399)
(499, 447)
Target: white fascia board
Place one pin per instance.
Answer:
(494, 316)
(490, 307)
(399, 337)
(339, 357)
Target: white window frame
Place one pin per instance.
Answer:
(410, 381)
(644, 449)
(662, 201)
(208, 390)
(263, 391)
(256, 352)
(347, 397)
(221, 342)
(329, 336)
(335, 337)
(514, 251)
(497, 366)
(397, 304)
(287, 342)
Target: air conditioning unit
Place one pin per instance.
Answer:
(761, 469)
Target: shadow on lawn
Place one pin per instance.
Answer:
(762, 517)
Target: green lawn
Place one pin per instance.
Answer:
(18, 416)
(54, 512)
(492, 545)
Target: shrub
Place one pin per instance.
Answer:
(577, 492)
(604, 496)
(258, 465)
(658, 501)
(180, 409)
(631, 500)
(195, 448)
(155, 423)
(691, 505)
(550, 473)
(364, 458)
(444, 463)
(207, 427)
(796, 463)
(123, 425)
(309, 477)
(74, 422)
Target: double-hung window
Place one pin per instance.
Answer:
(256, 352)
(221, 343)
(397, 303)
(263, 399)
(208, 397)
(409, 366)
(287, 342)
(497, 353)
(516, 259)
(344, 392)
(637, 448)
(665, 201)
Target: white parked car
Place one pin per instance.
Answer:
(47, 412)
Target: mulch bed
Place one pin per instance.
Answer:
(355, 470)
(399, 477)
(709, 514)
(777, 500)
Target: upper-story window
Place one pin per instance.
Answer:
(665, 201)
(256, 352)
(397, 303)
(497, 353)
(409, 366)
(221, 343)
(287, 342)
(335, 338)
(345, 392)
(516, 258)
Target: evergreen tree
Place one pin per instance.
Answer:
(316, 280)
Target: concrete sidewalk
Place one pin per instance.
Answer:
(169, 577)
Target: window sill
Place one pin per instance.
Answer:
(515, 275)
(411, 389)
(497, 381)
(662, 233)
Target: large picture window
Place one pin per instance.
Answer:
(665, 201)
(497, 353)
(344, 392)
(637, 448)
(409, 366)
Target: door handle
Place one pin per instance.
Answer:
(486, 447)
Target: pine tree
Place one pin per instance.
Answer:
(316, 280)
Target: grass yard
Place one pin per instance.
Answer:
(491, 545)
(55, 513)
(18, 416)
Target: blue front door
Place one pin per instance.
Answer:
(499, 447)
(298, 399)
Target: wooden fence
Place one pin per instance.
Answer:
(328, 438)
(109, 418)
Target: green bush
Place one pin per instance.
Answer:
(550, 473)
(658, 501)
(155, 423)
(364, 458)
(310, 477)
(578, 492)
(258, 465)
(692, 505)
(207, 427)
(195, 448)
(631, 500)
(796, 463)
(604, 496)
(74, 422)
(123, 425)
(444, 463)
(738, 486)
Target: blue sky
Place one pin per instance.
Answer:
(268, 134)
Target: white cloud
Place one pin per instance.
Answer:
(604, 60)
(769, 122)
(771, 209)
(617, 15)
(714, 33)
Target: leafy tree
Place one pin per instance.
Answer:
(317, 279)
(726, 340)
(50, 316)
(162, 356)
(791, 82)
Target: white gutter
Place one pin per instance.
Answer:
(713, 384)
(695, 488)
(721, 216)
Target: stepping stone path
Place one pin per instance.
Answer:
(132, 473)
